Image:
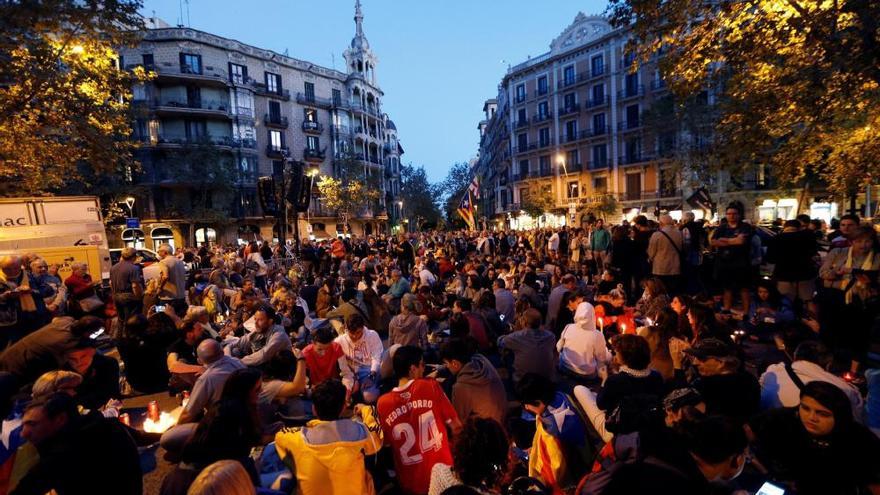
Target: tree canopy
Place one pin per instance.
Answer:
(797, 82)
(351, 189)
(419, 196)
(63, 98)
(452, 189)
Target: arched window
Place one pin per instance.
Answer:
(206, 235)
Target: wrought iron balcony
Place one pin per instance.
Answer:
(310, 99)
(575, 108)
(263, 90)
(313, 154)
(631, 92)
(277, 151)
(275, 121)
(312, 127)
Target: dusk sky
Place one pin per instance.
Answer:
(438, 61)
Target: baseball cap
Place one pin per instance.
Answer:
(681, 397)
(709, 348)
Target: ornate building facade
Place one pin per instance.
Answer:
(250, 113)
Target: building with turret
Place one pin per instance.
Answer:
(219, 114)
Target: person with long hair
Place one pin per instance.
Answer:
(662, 329)
(229, 430)
(817, 447)
(769, 310)
(653, 299)
(702, 320)
(480, 458)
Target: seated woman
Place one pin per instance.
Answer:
(769, 311)
(480, 458)
(280, 384)
(658, 334)
(633, 378)
(229, 430)
(817, 447)
(654, 298)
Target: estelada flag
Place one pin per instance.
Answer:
(466, 209)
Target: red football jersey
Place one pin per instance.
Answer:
(414, 422)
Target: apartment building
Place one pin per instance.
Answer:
(578, 125)
(257, 112)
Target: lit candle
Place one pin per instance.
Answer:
(623, 328)
(601, 325)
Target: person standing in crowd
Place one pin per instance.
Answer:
(127, 286)
(732, 241)
(600, 245)
(415, 416)
(666, 252)
(848, 225)
(569, 284)
(694, 242)
(793, 253)
(172, 276)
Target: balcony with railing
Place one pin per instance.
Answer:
(570, 109)
(635, 158)
(597, 102)
(594, 132)
(263, 90)
(169, 72)
(522, 123)
(591, 75)
(192, 107)
(631, 92)
(542, 117)
(566, 82)
(179, 140)
(512, 207)
(275, 121)
(312, 100)
(314, 154)
(570, 168)
(570, 138)
(544, 144)
(312, 127)
(521, 98)
(629, 125)
(599, 165)
(341, 130)
(542, 92)
(273, 151)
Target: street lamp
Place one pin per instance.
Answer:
(129, 201)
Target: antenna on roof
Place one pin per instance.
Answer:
(180, 14)
(188, 23)
(333, 59)
(286, 52)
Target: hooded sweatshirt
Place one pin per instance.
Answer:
(478, 390)
(408, 329)
(582, 349)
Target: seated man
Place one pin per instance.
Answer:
(182, 361)
(46, 349)
(534, 349)
(477, 389)
(78, 453)
(728, 389)
(258, 347)
(100, 374)
(327, 455)
(363, 349)
(324, 357)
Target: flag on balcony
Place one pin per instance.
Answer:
(466, 209)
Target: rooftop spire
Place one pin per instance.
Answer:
(358, 18)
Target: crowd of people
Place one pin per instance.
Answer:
(645, 357)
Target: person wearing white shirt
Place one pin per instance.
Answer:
(582, 349)
(363, 358)
(426, 277)
(779, 389)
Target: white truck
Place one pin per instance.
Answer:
(67, 226)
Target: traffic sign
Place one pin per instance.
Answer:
(133, 223)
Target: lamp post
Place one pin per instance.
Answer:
(400, 204)
(129, 202)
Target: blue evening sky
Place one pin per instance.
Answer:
(438, 60)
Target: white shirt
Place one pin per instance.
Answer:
(778, 389)
(553, 243)
(426, 277)
(366, 352)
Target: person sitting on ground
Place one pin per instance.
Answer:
(659, 334)
(73, 446)
(181, 361)
(711, 450)
(260, 346)
(142, 347)
(229, 430)
(478, 389)
(654, 298)
(408, 328)
(417, 404)
(100, 374)
(634, 381)
(324, 357)
(209, 385)
(781, 383)
(327, 455)
(559, 454)
(46, 349)
(480, 458)
(728, 389)
(349, 304)
(582, 349)
(280, 384)
(534, 349)
(363, 350)
(477, 325)
(817, 448)
(768, 311)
